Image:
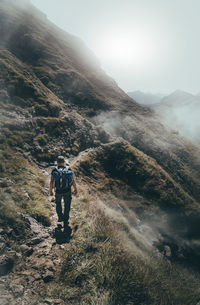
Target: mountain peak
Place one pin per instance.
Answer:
(180, 93)
(145, 98)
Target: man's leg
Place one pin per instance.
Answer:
(67, 202)
(59, 207)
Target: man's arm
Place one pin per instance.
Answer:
(74, 185)
(51, 186)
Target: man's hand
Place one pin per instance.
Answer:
(75, 192)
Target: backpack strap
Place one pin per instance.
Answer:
(60, 171)
(62, 176)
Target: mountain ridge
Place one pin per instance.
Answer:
(181, 110)
(145, 98)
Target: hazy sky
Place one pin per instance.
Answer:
(148, 45)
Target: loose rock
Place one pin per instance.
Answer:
(4, 300)
(2, 246)
(27, 250)
(48, 276)
(17, 289)
(53, 301)
(167, 251)
(6, 264)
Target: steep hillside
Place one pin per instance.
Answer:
(139, 180)
(135, 178)
(61, 61)
(177, 155)
(61, 65)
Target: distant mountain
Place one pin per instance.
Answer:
(145, 97)
(178, 98)
(181, 110)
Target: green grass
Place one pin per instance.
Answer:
(21, 192)
(119, 162)
(98, 268)
(16, 138)
(23, 89)
(22, 189)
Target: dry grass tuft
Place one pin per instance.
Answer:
(99, 269)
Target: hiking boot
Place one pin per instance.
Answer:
(66, 225)
(60, 218)
(67, 231)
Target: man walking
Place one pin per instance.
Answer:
(62, 178)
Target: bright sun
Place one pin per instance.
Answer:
(134, 48)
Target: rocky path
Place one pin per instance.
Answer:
(36, 266)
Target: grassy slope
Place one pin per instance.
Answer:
(59, 61)
(62, 62)
(23, 187)
(32, 77)
(21, 192)
(107, 262)
(34, 126)
(143, 187)
(102, 266)
(178, 156)
(119, 160)
(67, 68)
(32, 114)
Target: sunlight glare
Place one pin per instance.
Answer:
(122, 48)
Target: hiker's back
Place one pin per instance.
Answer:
(62, 179)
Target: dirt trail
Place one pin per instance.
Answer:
(38, 266)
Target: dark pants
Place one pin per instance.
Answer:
(67, 197)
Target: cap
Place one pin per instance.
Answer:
(60, 159)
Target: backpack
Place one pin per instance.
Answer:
(62, 179)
